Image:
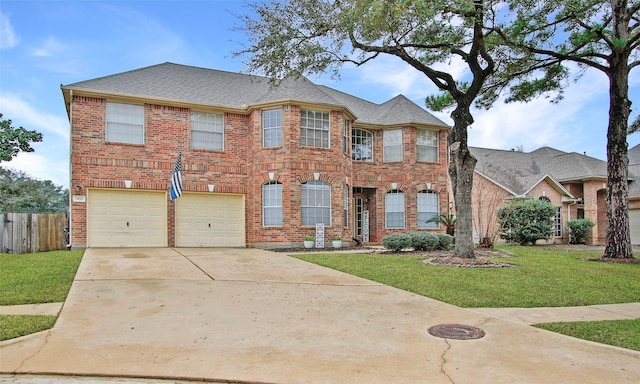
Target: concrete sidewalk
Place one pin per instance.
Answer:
(245, 315)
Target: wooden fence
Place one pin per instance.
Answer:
(32, 232)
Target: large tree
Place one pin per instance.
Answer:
(23, 194)
(599, 34)
(13, 140)
(300, 37)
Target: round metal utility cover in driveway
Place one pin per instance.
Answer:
(456, 331)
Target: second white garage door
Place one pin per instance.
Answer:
(210, 220)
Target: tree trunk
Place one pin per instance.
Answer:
(461, 167)
(618, 245)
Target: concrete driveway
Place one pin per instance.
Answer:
(246, 315)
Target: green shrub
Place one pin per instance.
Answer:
(526, 221)
(396, 242)
(444, 241)
(424, 241)
(579, 230)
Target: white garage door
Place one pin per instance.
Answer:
(126, 219)
(210, 220)
(634, 225)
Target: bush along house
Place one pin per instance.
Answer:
(254, 165)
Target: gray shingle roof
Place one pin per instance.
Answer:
(519, 171)
(194, 85)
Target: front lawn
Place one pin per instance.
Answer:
(34, 278)
(541, 277)
(621, 333)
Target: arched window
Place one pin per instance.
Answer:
(428, 207)
(272, 204)
(315, 203)
(394, 209)
(361, 145)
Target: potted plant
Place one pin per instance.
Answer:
(336, 241)
(308, 241)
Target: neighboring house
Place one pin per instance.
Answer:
(634, 194)
(574, 183)
(261, 166)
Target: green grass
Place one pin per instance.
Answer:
(542, 277)
(32, 278)
(12, 326)
(621, 333)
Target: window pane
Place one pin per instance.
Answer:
(272, 128)
(207, 130)
(125, 123)
(315, 203)
(392, 145)
(427, 145)
(314, 129)
(361, 145)
(394, 209)
(272, 204)
(428, 207)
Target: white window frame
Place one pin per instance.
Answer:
(394, 206)
(392, 145)
(428, 207)
(427, 145)
(315, 203)
(315, 129)
(272, 204)
(207, 130)
(272, 128)
(345, 206)
(361, 138)
(124, 123)
(345, 137)
(557, 221)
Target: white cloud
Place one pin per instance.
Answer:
(50, 47)
(8, 38)
(28, 116)
(42, 166)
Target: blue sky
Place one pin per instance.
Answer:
(47, 43)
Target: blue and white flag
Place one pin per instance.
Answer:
(175, 190)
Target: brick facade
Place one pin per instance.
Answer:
(243, 166)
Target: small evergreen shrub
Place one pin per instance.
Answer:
(424, 241)
(579, 230)
(444, 241)
(396, 242)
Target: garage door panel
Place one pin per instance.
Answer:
(634, 225)
(126, 218)
(210, 220)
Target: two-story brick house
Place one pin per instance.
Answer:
(261, 165)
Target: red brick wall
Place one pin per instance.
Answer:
(242, 167)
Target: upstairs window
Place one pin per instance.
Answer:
(272, 204)
(207, 130)
(314, 129)
(392, 150)
(427, 145)
(361, 145)
(125, 123)
(394, 209)
(316, 203)
(272, 128)
(428, 208)
(345, 137)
